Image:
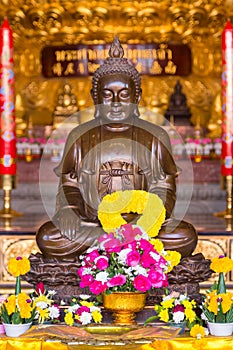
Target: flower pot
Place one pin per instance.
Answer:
(180, 325)
(2, 329)
(15, 330)
(124, 305)
(220, 329)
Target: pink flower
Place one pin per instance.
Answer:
(156, 278)
(101, 262)
(86, 280)
(82, 309)
(105, 236)
(178, 308)
(40, 288)
(113, 245)
(142, 283)
(80, 271)
(146, 245)
(129, 233)
(133, 258)
(118, 280)
(147, 260)
(97, 287)
(110, 243)
(92, 255)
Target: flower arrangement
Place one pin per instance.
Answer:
(125, 261)
(46, 309)
(217, 306)
(175, 308)
(82, 312)
(21, 307)
(18, 308)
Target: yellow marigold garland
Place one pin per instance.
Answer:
(136, 201)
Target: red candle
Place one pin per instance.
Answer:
(227, 100)
(7, 108)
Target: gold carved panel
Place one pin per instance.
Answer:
(196, 23)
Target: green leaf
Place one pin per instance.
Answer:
(221, 289)
(17, 286)
(229, 315)
(209, 315)
(150, 319)
(4, 316)
(16, 319)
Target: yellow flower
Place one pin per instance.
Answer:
(168, 303)
(190, 315)
(69, 319)
(158, 244)
(97, 317)
(163, 315)
(189, 304)
(18, 266)
(173, 257)
(24, 303)
(86, 303)
(213, 305)
(197, 331)
(25, 311)
(10, 304)
(43, 314)
(43, 298)
(136, 201)
(224, 264)
(226, 302)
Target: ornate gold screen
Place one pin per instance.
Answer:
(198, 23)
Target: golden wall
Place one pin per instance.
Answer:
(198, 23)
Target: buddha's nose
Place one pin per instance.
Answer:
(115, 98)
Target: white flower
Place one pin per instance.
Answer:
(62, 303)
(139, 270)
(155, 256)
(85, 317)
(54, 312)
(73, 308)
(94, 308)
(178, 316)
(42, 304)
(89, 250)
(167, 297)
(102, 276)
(87, 271)
(51, 292)
(122, 255)
(143, 235)
(183, 297)
(129, 271)
(84, 296)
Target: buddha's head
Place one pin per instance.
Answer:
(116, 86)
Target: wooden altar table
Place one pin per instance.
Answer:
(179, 343)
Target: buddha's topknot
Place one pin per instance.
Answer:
(113, 64)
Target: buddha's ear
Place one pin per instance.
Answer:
(92, 94)
(139, 96)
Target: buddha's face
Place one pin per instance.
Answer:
(116, 97)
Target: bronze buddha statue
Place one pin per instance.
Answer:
(115, 151)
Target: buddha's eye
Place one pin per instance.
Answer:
(124, 94)
(106, 94)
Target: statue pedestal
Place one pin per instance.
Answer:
(62, 277)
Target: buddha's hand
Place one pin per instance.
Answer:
(69, 223)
